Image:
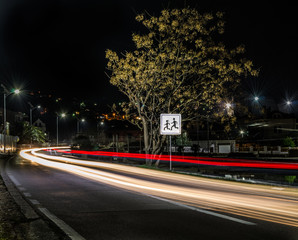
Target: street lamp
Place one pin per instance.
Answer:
(78, 124)
(228, 105)
(31, 110)
(62, 116)
(257, 104)
(288, 106)
(229, 109)
(78, 121)
(5, 95)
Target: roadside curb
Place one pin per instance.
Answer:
(38, 228)
(26, 209)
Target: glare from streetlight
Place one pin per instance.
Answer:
(63, 115)
(256, 98)
(228, 105)
(289, 103)
(17, 91)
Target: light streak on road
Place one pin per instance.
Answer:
(223, 162)
(257, 202)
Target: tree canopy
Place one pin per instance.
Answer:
(32, 134)
(179, 66)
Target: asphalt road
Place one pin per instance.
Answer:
(120, 202)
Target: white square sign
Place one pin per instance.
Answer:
(170, 124)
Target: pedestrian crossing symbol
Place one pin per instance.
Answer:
(170, 124)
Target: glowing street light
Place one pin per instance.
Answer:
(229, 109)
(289, 103)
(31, 110)
(256, 98)
(228, 105)
(76, 115)
(5, 95)
(78, 123)
(57, 122)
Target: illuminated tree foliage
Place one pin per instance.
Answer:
(178, 67)
(32, 134)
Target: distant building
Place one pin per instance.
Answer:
(40, 124)
(12, 118)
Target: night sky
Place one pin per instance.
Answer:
(58, 46)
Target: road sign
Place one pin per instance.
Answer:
(170, 124)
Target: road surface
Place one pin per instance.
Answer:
(112, 201)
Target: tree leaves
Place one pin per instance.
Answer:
(178, 67)
(32, 133)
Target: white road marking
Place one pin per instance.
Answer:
(203, 211)
(15, 181)
(26, 194)
(34, 202)
(62, 225)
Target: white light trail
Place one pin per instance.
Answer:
(257, 202)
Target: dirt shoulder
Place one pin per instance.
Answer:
(14, 221)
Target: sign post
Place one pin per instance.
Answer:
(170, 124)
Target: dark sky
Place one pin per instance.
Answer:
(59, 46)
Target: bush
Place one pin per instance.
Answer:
(290, 179)
(288, 142)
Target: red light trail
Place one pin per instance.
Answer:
(211, 161)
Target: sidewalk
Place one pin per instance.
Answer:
(18, 220)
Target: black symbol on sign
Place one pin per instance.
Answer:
(167, 125)
(173, 125)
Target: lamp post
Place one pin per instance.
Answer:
(78, 124)
(5, 95)
(31, 110)
(78, 121)
(257, 106)
(62, 116)
(289, 106)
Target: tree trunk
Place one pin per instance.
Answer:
(146, 143)
(158, 149)
(156, 141)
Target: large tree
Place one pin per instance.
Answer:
(179, 66)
